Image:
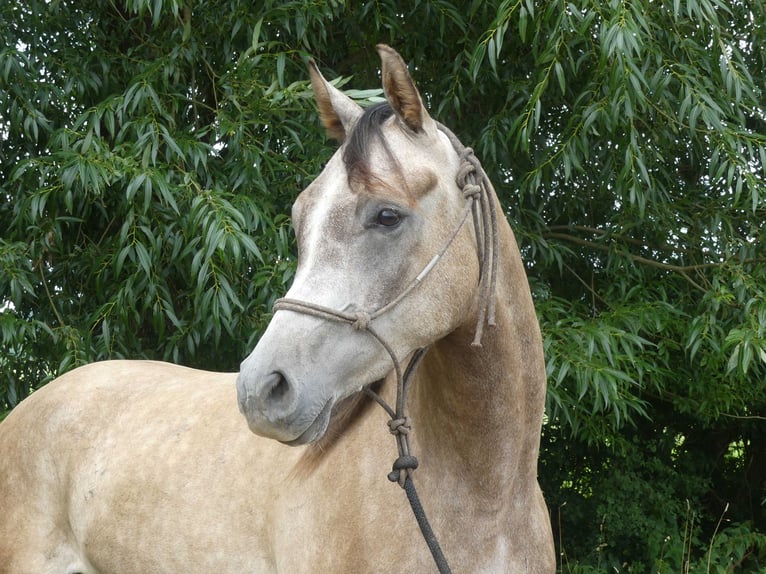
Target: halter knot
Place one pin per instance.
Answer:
(406, 463)
(362, 321)
(464, 172)
(400, 426)
(469, 166)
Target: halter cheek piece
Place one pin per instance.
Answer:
(480, 202)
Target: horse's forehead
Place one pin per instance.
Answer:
(332, 205)
(388, 174)
(328, 188)
(411, 163)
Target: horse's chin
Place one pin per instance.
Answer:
(337, 416)
(316, 429)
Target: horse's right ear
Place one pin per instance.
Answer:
(338, 112)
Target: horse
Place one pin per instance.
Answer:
(407, 280)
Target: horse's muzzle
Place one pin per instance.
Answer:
(274, 408)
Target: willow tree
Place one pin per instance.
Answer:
(149, 155)
(149, 152)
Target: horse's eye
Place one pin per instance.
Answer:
(388, 217)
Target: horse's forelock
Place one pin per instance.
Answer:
(356, 150)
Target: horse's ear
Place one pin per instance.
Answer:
(338, 112)
(400, 90)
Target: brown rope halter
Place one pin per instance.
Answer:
(480, 202)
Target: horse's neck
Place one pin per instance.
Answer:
(481, 408)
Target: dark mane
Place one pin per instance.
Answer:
(367, 131)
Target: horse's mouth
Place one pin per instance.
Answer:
(341, 415)
(316, 429)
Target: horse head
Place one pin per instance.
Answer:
(388, 261)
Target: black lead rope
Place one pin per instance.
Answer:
(404, 465)
(425, 527)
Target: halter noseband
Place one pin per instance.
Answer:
(480, 201)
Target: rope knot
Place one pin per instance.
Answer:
(400, 426)
(471, 191)
(466, 173)
(406, 463)
(362, 321)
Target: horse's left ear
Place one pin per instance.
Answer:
(400, 90)
(338, 112)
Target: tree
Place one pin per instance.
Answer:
(150, 151)
(141, 146)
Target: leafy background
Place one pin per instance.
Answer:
(150, 151)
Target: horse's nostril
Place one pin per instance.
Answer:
(278, 390)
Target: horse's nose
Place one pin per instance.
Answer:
(273, 394)
(270, 397)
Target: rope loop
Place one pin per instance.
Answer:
(470, 163)
(400, 426)
(465, 171)
(471, 191)
(467, 154)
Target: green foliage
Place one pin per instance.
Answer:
(139, 155)
(639, 497)
(738, 548)
(150, 152)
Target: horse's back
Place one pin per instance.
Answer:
(126, 455)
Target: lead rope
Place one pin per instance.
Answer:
(480, 202)
(403, 467)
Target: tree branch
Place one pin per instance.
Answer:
(606, 233)
(48, 293)
(682, 270)
(644, 260)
